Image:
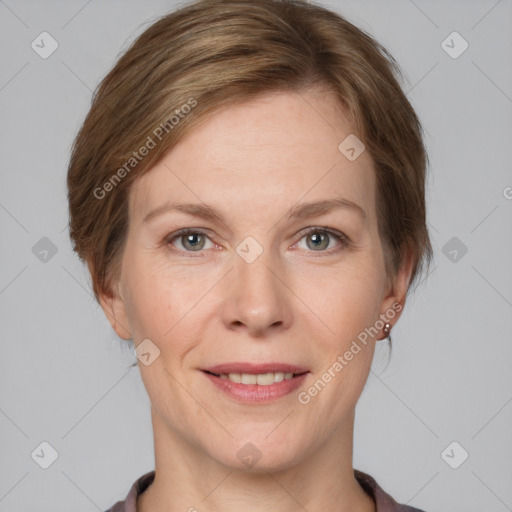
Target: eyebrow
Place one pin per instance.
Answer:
(299, 211)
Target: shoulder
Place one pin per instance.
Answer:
(383, 501)
(129, 504)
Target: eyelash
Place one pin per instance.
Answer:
(343, 240)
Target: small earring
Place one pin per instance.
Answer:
(387, 329)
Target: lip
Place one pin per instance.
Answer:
(254, 393)
(254, 369)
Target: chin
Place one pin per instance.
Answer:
(253, 454)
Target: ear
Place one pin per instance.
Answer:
(115, 310)
(396, 291)
(114, 307)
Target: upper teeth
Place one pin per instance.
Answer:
(263, 379)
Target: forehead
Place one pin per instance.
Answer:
(275, 149)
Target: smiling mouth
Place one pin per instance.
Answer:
(261, 379)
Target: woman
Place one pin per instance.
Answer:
(247, 191)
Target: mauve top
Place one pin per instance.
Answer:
(383, 501)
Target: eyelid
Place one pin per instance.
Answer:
(167, 241)
(343, 239)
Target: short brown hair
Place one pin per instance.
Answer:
(212, 53)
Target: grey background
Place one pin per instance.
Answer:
(64, 375)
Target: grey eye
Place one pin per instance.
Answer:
(193, 241)
(318, 240)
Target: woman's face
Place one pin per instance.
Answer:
(249, 286)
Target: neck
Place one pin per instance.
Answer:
(188, 479)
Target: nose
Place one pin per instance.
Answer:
(257, 299)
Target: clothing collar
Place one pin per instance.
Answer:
(383, 501)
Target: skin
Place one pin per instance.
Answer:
(296, 303)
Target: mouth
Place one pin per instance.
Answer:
(261, 379)
(263, 374)
(248, 382)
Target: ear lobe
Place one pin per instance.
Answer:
(398, 287)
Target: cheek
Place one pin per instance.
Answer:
(349, 300)
(345, 353)
(163, 306)
(153, 302)
(348, 303)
